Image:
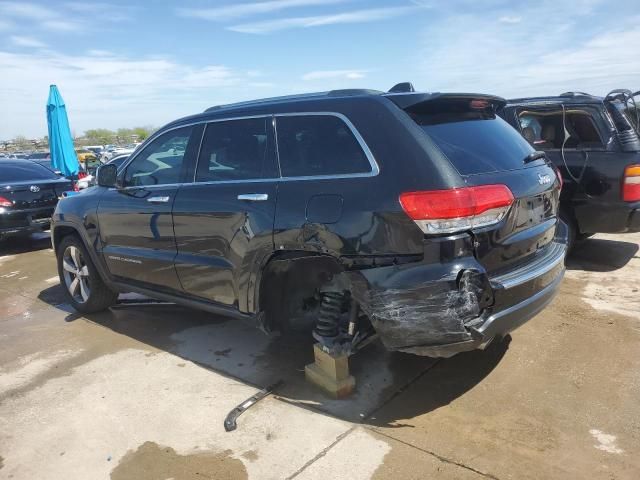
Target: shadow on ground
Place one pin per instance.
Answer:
(601, 255)
(239, 350)
(24, 244)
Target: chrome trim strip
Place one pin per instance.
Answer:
(375, 169)
(275, 139)
(533, 270)
(195, 168)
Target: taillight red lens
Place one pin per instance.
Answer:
(82, 175)
(559, 175)
(5, 203)
(455, 203)
(446, 211)
(631, 184)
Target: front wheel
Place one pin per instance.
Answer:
(83, 286)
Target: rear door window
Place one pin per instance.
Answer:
(474, 142)
(236, 150)
(318, 145)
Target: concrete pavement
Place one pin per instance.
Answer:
(140, 391)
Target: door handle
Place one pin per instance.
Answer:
(253, 197)
(158, 199)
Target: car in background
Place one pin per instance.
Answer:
(88, 160)
(96, 149)
(595, 144)
(116, 151)
(118, 161)
(38, 155)
(83, 181)
(29, 194)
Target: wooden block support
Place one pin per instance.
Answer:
(330, 373)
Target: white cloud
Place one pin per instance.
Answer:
(99, 53)
(44, 17)
(510, 19)
(245, 9)
(72, 17)
(357, 16)
(524, 62)
(28, 42)
(26, 10)
(109, 91)
(105, 11)
(334, 74)
(5, 25)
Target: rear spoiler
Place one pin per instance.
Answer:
(414, 102)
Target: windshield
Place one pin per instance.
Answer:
(25, 172)
(476, 142)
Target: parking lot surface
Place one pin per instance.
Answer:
(141, 391)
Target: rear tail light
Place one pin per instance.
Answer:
(5, 203)
(457, 209)
(82, 175)
(631, 184)
(559, 175)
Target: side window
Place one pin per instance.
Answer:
(236, 150)
(318, 145)
(161, 161)
(583, 132)
(545, 129)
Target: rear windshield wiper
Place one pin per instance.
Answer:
(537, 155)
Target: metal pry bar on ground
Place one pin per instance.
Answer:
(230, 421)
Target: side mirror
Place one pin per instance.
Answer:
(107, 175)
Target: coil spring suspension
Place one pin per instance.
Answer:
(328, 317)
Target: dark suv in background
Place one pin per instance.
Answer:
(423, 217)
(594, 141)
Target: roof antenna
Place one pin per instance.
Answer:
(404, 87)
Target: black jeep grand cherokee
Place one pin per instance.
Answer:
(423, 217)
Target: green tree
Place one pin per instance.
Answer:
(21, 142)
(100, 136)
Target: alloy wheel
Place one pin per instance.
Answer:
(76, 274)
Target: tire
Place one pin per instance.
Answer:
(82, 284)
(572, 227)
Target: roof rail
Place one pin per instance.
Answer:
(348, 92)
(575, 94)
(300, 96)
(266, 100)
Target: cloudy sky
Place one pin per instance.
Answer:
(126, 63)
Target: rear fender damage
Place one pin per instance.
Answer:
(411, 314)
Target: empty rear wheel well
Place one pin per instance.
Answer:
(289, 288)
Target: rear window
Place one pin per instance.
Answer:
(475, 142)
(24, 172)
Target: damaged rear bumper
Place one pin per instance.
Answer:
(426, 309)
